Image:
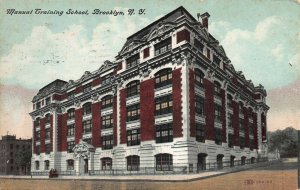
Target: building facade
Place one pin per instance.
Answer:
(9, 147)
(170, 98)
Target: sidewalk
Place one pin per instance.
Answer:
(163, 178)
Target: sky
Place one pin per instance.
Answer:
(261, 38)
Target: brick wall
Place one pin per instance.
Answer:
(96, 124)
(209, 110)
(123, 116)
(235, 123)
(192, 103)
(78, 125)
(177, 103)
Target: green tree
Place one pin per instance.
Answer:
(23, 158)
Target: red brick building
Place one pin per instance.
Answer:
(171, 98)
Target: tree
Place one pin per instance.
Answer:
(285, 141)
(23, 158)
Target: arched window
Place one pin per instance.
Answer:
(71, 113)
(70, 164)
(37, 122)
(164, 162)
(217, 89)
(133, 88)
(47, 118)
(201, 165)
(87, 108)
(163, 78)
(107, 101)
(133, 163)
(37, 165)
(47, 164)
(106, 163)
(199, 78)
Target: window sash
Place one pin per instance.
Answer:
(107, 142)
(133, 137)
(133, 112)
(107, 102)
(87, 126)
(164, 133)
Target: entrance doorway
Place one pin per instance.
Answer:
(86, 166)
(232, 161)
(201, 161)
(220, 161)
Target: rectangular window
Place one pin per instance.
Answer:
(37, 165)
(107, 102)
(133, 61)
(146, 53)
(48, 101)
(133, 163)
(70, 146)
(162, 46)
(251, 129)
(107, 121)
(200, 132)
(242, 142)
(87, 126)
(229, 102)
(218, 138)
(37, 150)
(71, 95)
(87, 109)
(47, 120)
(216, 60)
(88, 140)
(70, 164)
(198, 45)
(87, 87)
(218, 110)
(241, 124)
(38, 105)
(163, 78)
(230, 117)
(47, 131)
(47, 164)
(164, 133)
(133, 89)
(71, 130)
(133, 137)
(164, 162)
(199, 105)
(230, 140)
(38, 135)
(208, 53)
(107, 142)
(133, 112)
(251, 144)
(163, 105)
(47, 148)
(71, 113)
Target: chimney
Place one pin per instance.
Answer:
(204, 18)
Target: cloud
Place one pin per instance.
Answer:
(263, 29)
(45, 55)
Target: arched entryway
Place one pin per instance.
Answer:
(201, 165)
(220, 161)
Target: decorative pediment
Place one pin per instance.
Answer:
(83, 150)
(86, 75)
(106, 65)
(130, 45)
(160, 29)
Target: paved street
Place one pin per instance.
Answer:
(280, 176)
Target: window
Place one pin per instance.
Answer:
(47, 135)
(241, 124)
(47, 148)
(37, 150)
(164, 162)
(71, 95)
(106, 79)
(47, 164)
(71, 130)
(218, 133)
(146, 53)
(87, 108)
(70, 146)
(162, 46)
(200, 132)
(87, 87)
(230, 140)
(218, 110)
(38, 105)
(163, 78)
(47, 121)
(198, 45)
(250, 114)
(207, 53)
(251, 144)
(107, 121)
(199, 105)
(199, 78)
(37, 122)
(87, 126)
(133, 88)
(133, 61)
(106, 163)
(11, 161)
(251, 129)
(11, 146)
(88, 140)
(164, 133)
(133, 112)
(71, 113)
(133, 137)
(230, 117)
(216, 60)
(37, 165)
(107, 142)
(163, 105)
(229, 101)
(107, 102)
(70, 164)
(48, 101)
(217, 89)
(133, 163)
(242, 142)
(38, 135)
